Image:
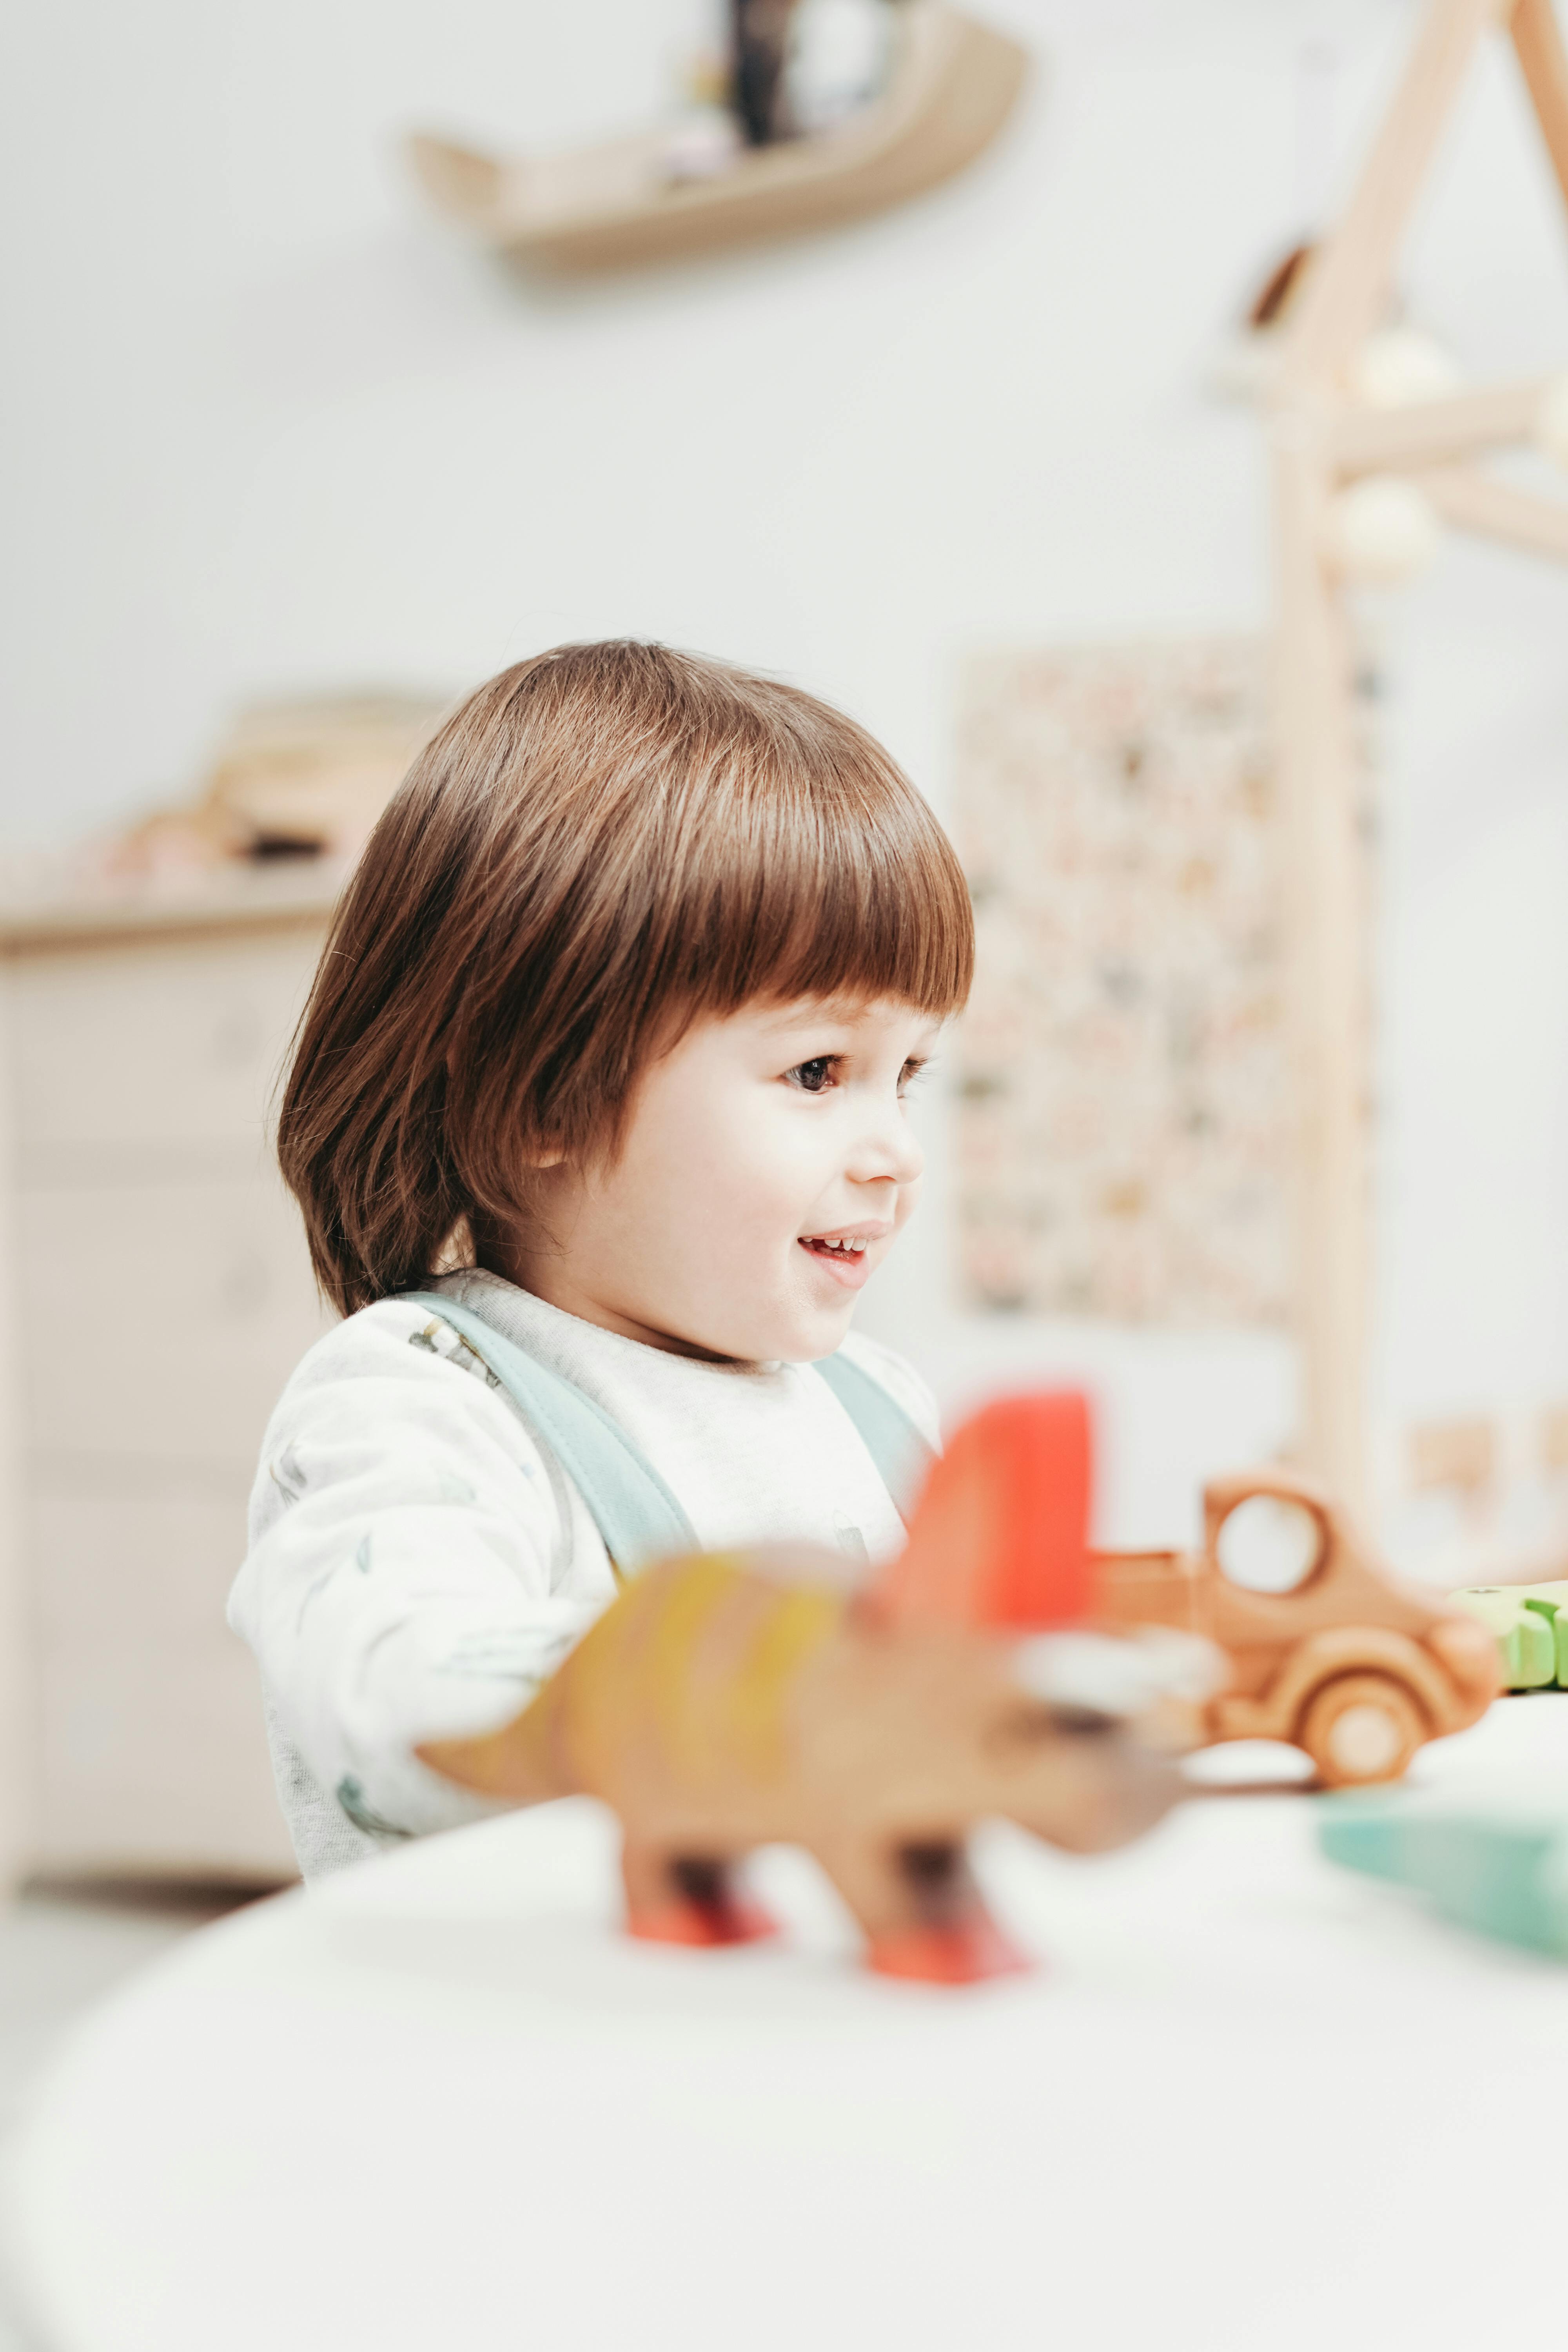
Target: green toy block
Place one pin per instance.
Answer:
(1530, 1625)
(1503, 1872)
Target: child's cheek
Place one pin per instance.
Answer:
(780, 1144)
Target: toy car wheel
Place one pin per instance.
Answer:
(1359, 1729)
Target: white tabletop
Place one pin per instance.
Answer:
(1250, 2104)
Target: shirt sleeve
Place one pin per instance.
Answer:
(413, 1572)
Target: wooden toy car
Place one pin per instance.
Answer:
(1328, 1650)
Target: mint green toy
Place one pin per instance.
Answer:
(1500, 1869)
(1530, 1625)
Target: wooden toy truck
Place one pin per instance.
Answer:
(1326, 1648)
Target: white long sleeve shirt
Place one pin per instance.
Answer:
(419, 1564)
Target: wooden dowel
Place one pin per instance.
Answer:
(1326, 929)
(1346, 288)
(1429, 432)
(1474, 502)
(1538, 40)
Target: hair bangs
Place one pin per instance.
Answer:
(823, 872)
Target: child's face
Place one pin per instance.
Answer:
(752, 1146)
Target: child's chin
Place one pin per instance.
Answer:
(813, 1335)
(792, 1338)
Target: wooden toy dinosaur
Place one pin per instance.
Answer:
(727, 1702)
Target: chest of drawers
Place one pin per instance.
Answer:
(156, 1294)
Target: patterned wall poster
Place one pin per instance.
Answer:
(1124, 1133)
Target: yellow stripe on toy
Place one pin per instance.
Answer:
(685, 1606)
(800, 1623)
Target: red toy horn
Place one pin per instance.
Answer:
(1000, 1534)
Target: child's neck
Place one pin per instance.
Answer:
(550, 1272)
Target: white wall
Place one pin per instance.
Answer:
(265, 424)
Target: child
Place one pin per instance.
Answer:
(596, 1118)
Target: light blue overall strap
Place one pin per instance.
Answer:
(627, 1500)
(901, 1453)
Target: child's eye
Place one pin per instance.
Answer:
(814, 1078)
(914, 1071)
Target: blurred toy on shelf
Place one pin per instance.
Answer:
(820, 114)
(759, 53)
(840, 55)
(727, 1702)
(1328, 1651)
(1499, 1867)
(303, 779)
(794, 70)
(704, 138)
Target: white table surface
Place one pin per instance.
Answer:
(1250, 2104)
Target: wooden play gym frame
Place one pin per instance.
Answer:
(1323, 440)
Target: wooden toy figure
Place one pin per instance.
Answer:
(759, 44)
(725, 1701)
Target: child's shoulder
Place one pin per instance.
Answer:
(394, 1394)
(395, 1364)
(902, 1383)
(394, 1337)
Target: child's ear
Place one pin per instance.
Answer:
(1000, 1534)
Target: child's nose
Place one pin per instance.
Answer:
(887, 1149)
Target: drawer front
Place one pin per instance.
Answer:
(114, 1567)
(155, 1046)
(161, 1321)
(151, 1755)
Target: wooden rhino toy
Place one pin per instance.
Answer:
(726, 1702)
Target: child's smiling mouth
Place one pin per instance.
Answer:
(845, 1254)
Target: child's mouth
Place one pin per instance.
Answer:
(845, 1260)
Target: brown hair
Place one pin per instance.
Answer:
(598, 847)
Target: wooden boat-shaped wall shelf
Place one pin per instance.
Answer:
(612, 207)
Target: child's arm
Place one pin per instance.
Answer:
(416, 1569)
